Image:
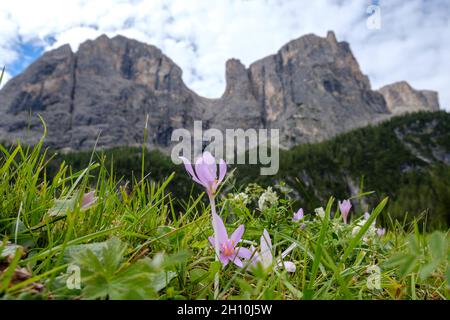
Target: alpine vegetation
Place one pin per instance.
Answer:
(87, 235)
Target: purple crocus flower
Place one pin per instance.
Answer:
(298, 215)
(345, 207)
(206, 175)
(227, 245)
(265, 256)
(89, 199)
(366, 216)
(205, 172)
(381, 232)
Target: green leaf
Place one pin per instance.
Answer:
(397, 260)
(414, 245)
(408, 265)
(214, 268)
(320, 241)
(107, 274)
(197, 275)
(427, 270)
(72, 251)
(160, 280)
(1, 75)
(364, 229)
(297, 293)
(7, 275)
(437, 245)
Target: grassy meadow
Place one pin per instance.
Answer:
(88, 235)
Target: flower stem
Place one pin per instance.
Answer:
(216, 243)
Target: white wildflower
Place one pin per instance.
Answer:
(241, 197)
(320, 212)
(267, 199)
(355, 230)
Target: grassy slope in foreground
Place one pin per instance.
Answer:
(131, 244)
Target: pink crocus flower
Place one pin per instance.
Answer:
(89, 199)
(345, 207)
(298, 215)
(229, 252)
(265, 256)
(381, 232)
(205, 172)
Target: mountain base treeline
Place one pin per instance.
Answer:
(406, 158)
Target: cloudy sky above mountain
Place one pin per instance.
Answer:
(411, 44)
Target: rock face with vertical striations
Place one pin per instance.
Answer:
(311, 89)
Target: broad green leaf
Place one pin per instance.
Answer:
(95, 247)
(408, 265)
(437, 245)
(160, 280)
(427, 270)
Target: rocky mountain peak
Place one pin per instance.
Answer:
(402, 98)
(237, 80)
(130, 60)
(331, 37)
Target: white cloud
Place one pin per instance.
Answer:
(74, 37)
(201, 35)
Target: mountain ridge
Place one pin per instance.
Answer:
(311, 89)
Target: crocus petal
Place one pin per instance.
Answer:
(190, 170)
(298, 215)
(237, 234)
(288, 265)
(243, 253)
(366, 216)
(202, 172)
(238, 262)
(288, 250)
(188, 166)
(267, 240)
(221, 235)
(224, 259)
(211, 241)
(88, 200)
(345, 207)
(266, 249)
(210, 163)
(222, 170)
(254, 255)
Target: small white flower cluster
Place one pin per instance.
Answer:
(320, 212)
(241, 197)
(267, 199)
(370, 233)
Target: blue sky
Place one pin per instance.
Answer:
(412, 42)
(28, 52)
